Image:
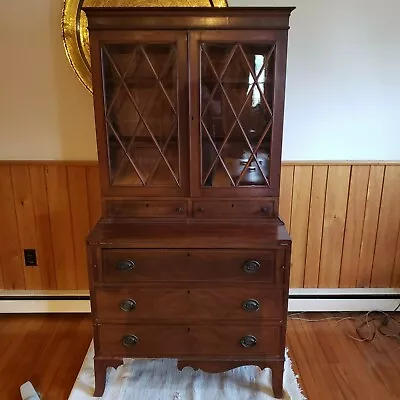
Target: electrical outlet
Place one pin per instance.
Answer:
(30, 257)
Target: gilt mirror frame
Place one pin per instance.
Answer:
(76, 35)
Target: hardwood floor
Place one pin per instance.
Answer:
(48, 350)
(334, 366)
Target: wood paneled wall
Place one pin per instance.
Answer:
(49, 207)
(344, 220)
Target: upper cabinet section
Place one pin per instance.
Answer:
(189, 101)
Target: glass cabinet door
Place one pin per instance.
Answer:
(236, 111)
(142, 89)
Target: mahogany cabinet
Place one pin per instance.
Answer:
(190, 259)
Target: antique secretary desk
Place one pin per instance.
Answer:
(190, 259)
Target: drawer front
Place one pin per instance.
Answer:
(234, 209)
(175, 341)
(131, 265)
(146, 208)
(251, 303)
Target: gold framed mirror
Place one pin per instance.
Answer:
(76, 36)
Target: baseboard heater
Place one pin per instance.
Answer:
(312, 300)
(343, 299)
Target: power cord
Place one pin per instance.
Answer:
(370, 324)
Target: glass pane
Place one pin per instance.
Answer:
(140, 93)
(236, 113)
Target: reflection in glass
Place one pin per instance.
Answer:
(140, 96)
(236, 113)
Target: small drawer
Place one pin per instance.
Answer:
(146, 208)
(141, 265)
(184, 340)
(252, 303)
(234, 209)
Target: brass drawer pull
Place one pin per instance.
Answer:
(125, 265)
(200, 209)
(251, 266)
(264, 210)
(129, 341)
(251, 305)
(127, 305)
(179, 210)
(248, 341)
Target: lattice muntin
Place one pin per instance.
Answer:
(141, 113)
(236, 113)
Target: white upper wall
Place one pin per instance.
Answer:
(343, 83)
(343, 79)
(45, 112)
